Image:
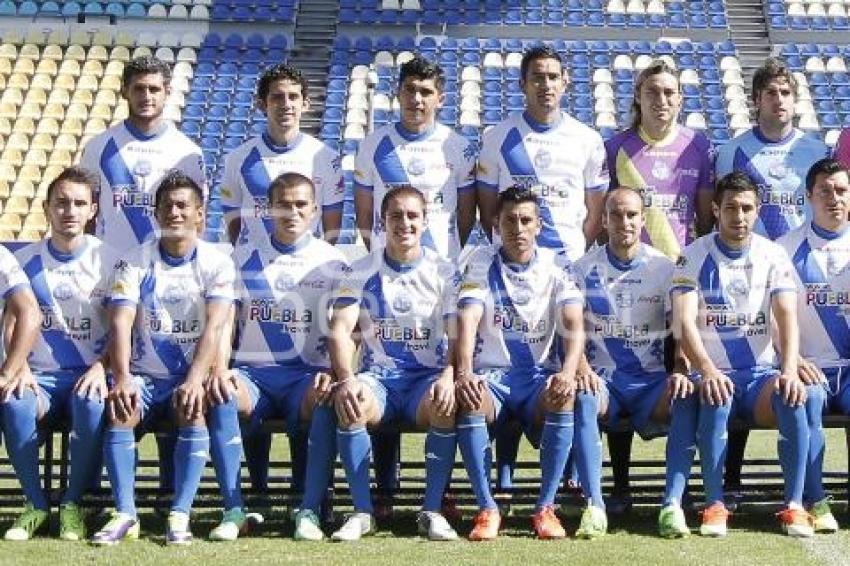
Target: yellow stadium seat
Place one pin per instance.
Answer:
(29, 110)
(48, 126)
(18, 80)
(113, 69)
(8, 50)
(36, 95)
(111, 82)
(7, 235)
(30, 235)
(37, 36)
(59, 96)
(24, 66)
(101, 38)
(65, 141)
(84, 97)
(60, 157)
(78, 39)
(51, 52)
(42, 141)
(24, 125)
(94, 126)
(5, 126)
(47, 66)
(41, 80)
(5, 187)
(142, 51)
(58, 36)
(2, 81)
(8, 172)
(102, 111)
(12, 157)
(10, 221)
(92, 67)
(70, 67)
(37, 202)
(5, 67)
(121, 112)
(8, 110)
(76, 110)
(35, 221)
(120, 51)
(18, 141)
(87, 82)
(12, 36)
(29, 51)
(30, 172)
(106, 97)
(36, 157)
(72, 126)
(13, 96)
(98, 53)
(17, 204)
(50, 173)
(66, 82)
(56, 111)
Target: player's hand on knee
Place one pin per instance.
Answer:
(715, 388)
(18, 383)
(442, 396)
(349, 398)
(809, 373)
(791, 389)
(188, 400)
(679, 386)
(323, 383)
(92, 384)
(588, 381)
(469, 391)
(124, 400)
(221, 386)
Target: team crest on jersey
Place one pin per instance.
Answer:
(778, 170)
(522, 296)
(661, 171)
(542, 160)
(142, 168)
(173, 294)
(63, 292)
(402, 304)
(416, 167)
(738, 287)
(624, 299)
(284, 282)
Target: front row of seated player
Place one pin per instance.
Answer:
(456, 354)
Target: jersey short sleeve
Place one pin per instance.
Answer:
(220, 282)
(126, 280)
(686, 273)
(465, 170)
(781, 278)
(231, 190)
(327, 176)
(487, 172)
(474, 286)
(364, 176)
(12, 277)
(596, 176)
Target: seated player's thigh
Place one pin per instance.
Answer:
(494, 394)
(426, 397)
(764, 385)
(246, 397)
(370, 401)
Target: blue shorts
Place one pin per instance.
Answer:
(54, 393)
(516, 393)
(748, 386)
(156, 399)
(838, 389)
(635, 396)
(398, 392)
(277, 391)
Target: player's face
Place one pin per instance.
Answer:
(69, 209)
(736, 215)
(179, 213)
(519, 226)
(293, 209)
(775, 103)
(419, 100)
(623, 219)
(146, 96)
(404, 222)
(284, 105)
(660, 100)
(544, 84)
(830, 200)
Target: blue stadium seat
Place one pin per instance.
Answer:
(29, 8)
(656, 21)
(191, 128)
(217, 114)
(513, 18)
(51, 8)
(238, 128)
(241, 114)
(448, 116)
(329, 132)
(72, 9)
(819, 23)
(840, 23)
(798, 23)
(616, 20)
(333, 116)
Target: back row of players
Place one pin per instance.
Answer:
(452, 353)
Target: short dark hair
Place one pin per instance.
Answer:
(421, 68)
(176, 179)
(281, 72)
(399, 191)
(640, 193)
(145, 65)
(77, 175)
(828, 167)
(535, 53)
(288, 181)
(516, 194)
(772, 68)
(735, 182)
(656, 67)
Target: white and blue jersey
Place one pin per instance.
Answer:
(625, 309)
(403, 308)
(438, 162)
(284, 303)
(130, 166)
(522, 305)
(170, 295)
(821, 261)
(559, 162)
(72, 291)
(779, 170)
(250, 168)
(735, 288)
(12, 277)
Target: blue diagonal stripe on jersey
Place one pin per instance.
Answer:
(278, 341)
(118, 175)
(600, 305)
(377, 303)
(775, 224)
(833, 321)
(257, 180)
(738, 350)
(62, 347)
(170, 354)
(389, 166)
(518, 349)
(519, 165)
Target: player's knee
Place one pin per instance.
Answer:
(26, 404)
(815, 396)
(587, 404)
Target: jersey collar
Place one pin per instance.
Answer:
(174, 261)
(828, 234)
(277, 148)
(66, 257)
(141, 136)
(761, 137)
(729, 252)
(662, 141)
(624, 265)
(515, 266)
(295, 246)
(413, 136)
(403, 267)
(540, 127)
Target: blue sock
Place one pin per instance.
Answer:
(588, 444)
(815, 403)
(190, 458)
(119, 452)
(681, 448)
(165, 443)
(257, 445)
(555, 443)
(86, 442)
(355, 447)
(440, 447)
(226, 451)
(792, 445)
(474, 442)
(20, 422)
(385, 459)
(320, 457)
(712, 441)
(298, 456)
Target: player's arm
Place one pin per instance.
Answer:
(487, 199)
(783, 306)
(466, 202)
(234, 226)
(341, 350)
(124, 395)
(562, 384)
(594, 201)
(21, 322)
(679, 383)
(363, 211)
(705, 216)
(715, 387)
(331, 223)
(92, 383)
(469, 388)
